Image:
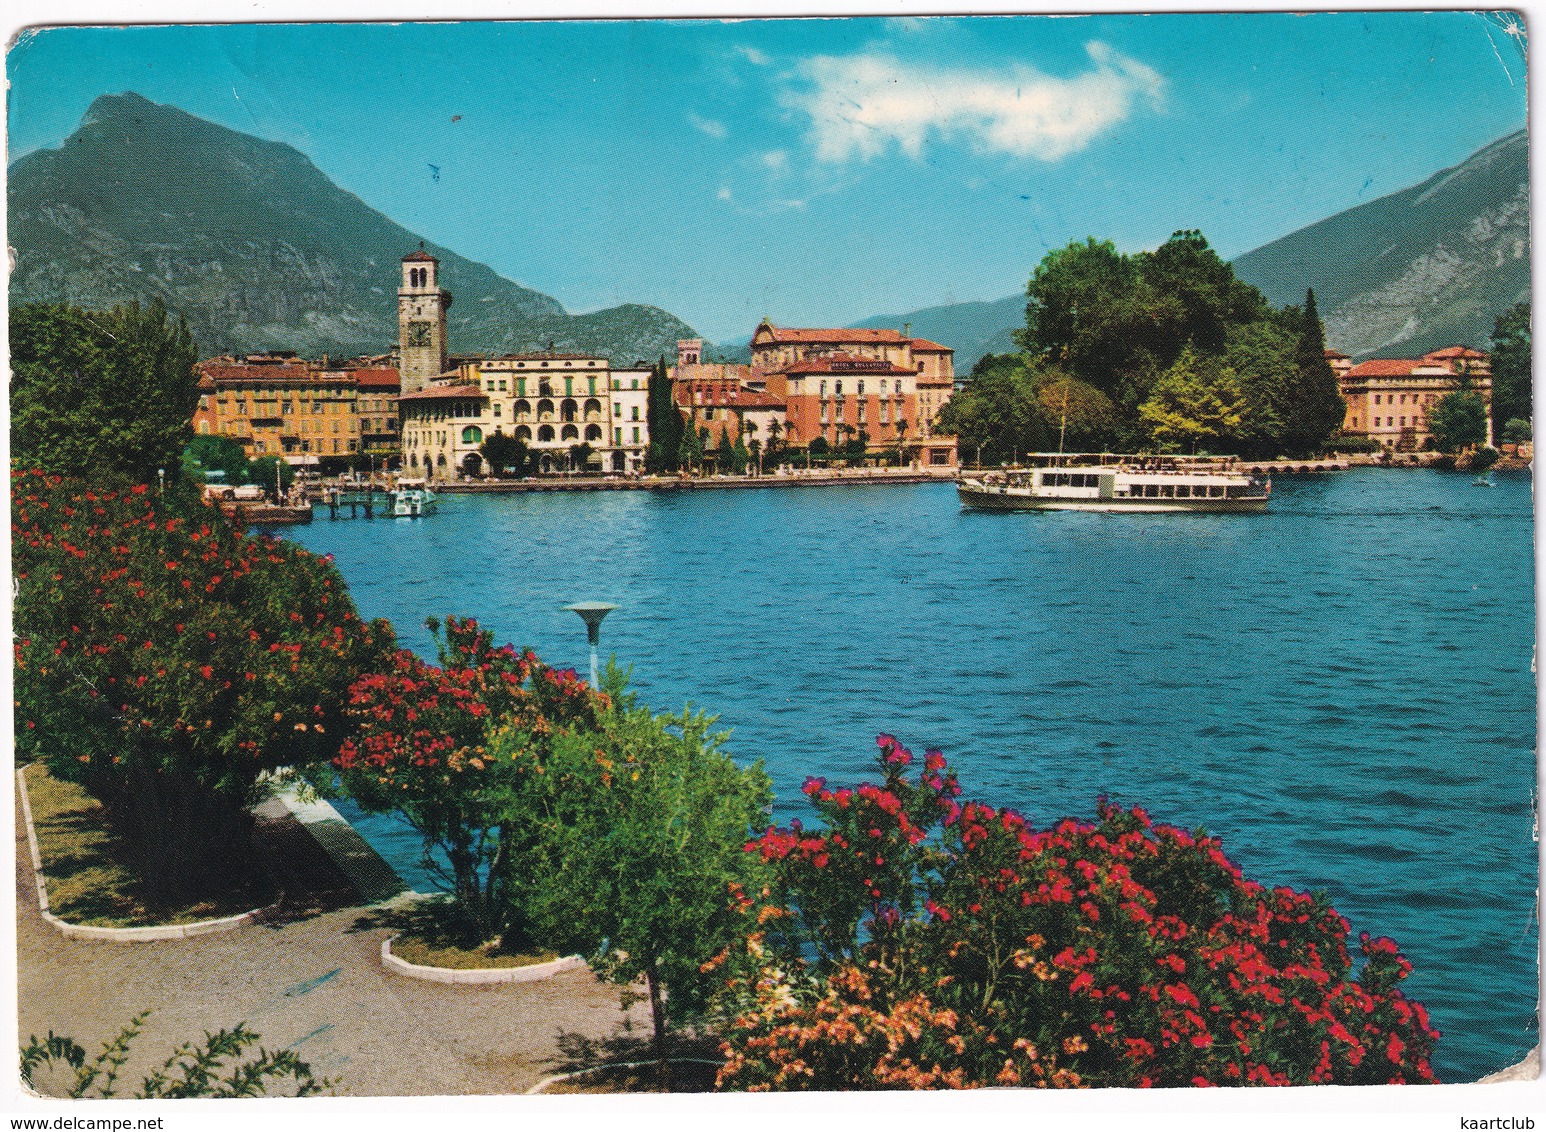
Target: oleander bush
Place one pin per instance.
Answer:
(167, 663)
(421, 747)
(918, 941)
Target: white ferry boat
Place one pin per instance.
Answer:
(1111, 482)
(412, 498)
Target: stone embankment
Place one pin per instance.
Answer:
(845, 477)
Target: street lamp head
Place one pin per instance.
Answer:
(592, 613)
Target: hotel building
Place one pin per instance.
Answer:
(1388, 399)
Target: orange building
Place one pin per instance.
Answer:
(276, 404)
(1388, 399)
(730, 399)
(839, 382)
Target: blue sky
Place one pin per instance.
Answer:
(820, 171)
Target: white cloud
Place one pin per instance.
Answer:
(776, 159)
(753, 56)
(859, 105)
(707, 125)
(725, 193)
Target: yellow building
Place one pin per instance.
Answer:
(305, 412)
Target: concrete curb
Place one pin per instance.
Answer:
(148, 934)
(527, 974)
(558, 1078)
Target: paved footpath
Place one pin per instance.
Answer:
(314, 984)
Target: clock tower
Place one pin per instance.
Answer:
(421, 321)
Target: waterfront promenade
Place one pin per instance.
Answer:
(313, 982)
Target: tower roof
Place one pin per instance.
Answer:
(420, 256)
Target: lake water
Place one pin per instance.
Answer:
(1341, 687)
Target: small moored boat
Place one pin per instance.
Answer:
(412, 498)
(1112, 482)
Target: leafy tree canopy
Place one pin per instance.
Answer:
(1196, 401)
(1511, 392)
(1458, 420)
(100, 392)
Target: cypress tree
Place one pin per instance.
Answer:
(1312, 406)
(665, 422)
(724, 455)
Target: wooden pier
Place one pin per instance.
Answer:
(366, 502)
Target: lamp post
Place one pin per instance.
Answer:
(592, 613)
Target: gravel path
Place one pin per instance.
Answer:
(314, 984)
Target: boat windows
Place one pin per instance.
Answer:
(1151, 491)
(1216, 491)
(1183, 491)
(1167, 491)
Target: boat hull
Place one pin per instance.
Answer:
(1007, 499)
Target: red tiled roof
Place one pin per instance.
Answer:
(1455, 352)
(728, 399)
(924, 346)
(836, 335)
(443, 392)
(1330, 353)
(840, 362)
(377, 378)
(1384, 367)
(421, 256)
(221, 371)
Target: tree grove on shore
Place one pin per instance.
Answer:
(166, 662)
(1257, 382)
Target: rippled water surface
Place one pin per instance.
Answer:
(1341, 687)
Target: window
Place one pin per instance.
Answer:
(1376, 398)
(861, 389)
(636, 435)
(708, 414)
(498, 409)
(472, 434)
(617, 436)
(287, 407)
(635, 384)
(838, 390)
(502, 385)
(636, 412)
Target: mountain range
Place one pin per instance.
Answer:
(258, 249)
(1426, 267)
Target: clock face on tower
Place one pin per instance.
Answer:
(419, 334)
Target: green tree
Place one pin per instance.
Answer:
(1195, 401)
(818, 447)
(740, 455)
(724, 454)
(580, 456)
(1090, 309)
(104, 392)
(1516, 430)
(1084, 416)
(1511, 393)
(1196, 296)
(193, 1069)
(998, 413)
(636, 851)
(1310, 405)
(1263, 355)
(265, 471)
(215, 454)
(1458, 420)
(689, 453)
(506, 454)
(665, 423)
